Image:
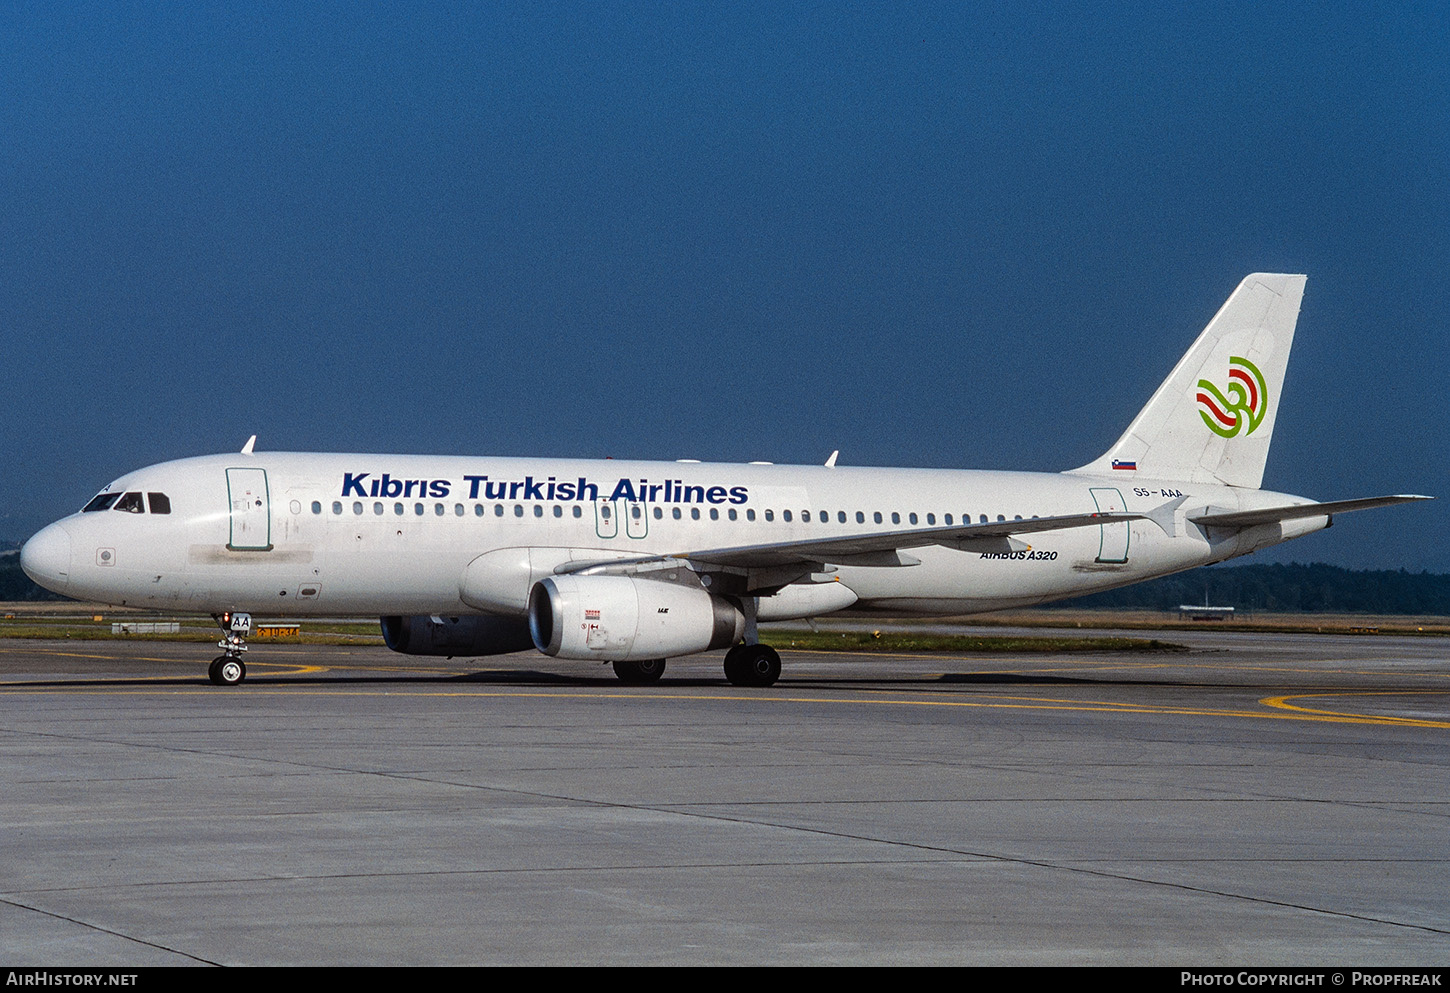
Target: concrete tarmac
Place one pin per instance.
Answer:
(1261, 800)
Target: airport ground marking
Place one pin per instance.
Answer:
(1028, 665)
(1280, 710)
(1282, 702)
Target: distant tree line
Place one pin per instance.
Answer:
(1309, 589)
(1295, 588)
(16, 585)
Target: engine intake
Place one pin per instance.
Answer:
(626, 619)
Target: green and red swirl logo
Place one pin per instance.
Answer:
(1241, 406)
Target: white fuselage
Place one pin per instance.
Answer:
(323, 534)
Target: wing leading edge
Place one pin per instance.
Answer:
(885, 548)
(877, 548)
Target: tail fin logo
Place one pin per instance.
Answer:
(1240, 407)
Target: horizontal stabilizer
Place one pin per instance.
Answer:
(1272, 515)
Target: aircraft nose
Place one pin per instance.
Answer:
(46, 558)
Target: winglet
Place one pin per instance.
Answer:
(247, 448)
(831, 462)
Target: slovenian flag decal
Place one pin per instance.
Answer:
(1124, 464)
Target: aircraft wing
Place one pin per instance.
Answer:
(1272, 515)
(876, 548)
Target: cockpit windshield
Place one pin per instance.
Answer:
(131, 503)
(101, 501)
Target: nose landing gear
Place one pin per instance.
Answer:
(229, 669)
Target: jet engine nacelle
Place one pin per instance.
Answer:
(423, 634)
(625, 619)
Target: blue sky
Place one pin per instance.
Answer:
(929, 235)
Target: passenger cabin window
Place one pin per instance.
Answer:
(160, 503)
(131, 503)
(101, 501)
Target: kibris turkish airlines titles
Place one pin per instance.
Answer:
(365, 484)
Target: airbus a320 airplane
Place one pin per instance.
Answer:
(634, 562)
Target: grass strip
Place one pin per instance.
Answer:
(900, 641)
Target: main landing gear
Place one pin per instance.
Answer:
(229, 669)
(640, 673)
(752, 665)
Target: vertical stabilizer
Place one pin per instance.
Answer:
(1211, 420)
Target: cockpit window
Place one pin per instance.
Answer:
(160, 503)
(101, 501)
(131, 503)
